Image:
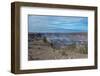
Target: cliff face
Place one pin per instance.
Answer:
(60, 36)
(59, 40)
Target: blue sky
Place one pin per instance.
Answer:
(39, 23)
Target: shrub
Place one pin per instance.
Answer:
(64, 53)
(45, 39)
(72, 46)
(84, 49)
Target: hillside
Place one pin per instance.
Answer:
(44, 46)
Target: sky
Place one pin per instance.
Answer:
(57, 24)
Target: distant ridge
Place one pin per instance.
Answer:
(59, 33)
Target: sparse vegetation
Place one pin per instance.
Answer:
(84, 49)
(45, 39)
(41, 48)
(72, 46)
(64, 53)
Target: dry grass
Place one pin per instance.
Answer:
(42, 50)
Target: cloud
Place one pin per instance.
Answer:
(50, 23)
